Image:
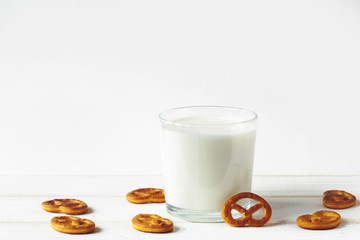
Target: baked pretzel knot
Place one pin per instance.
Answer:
(74, 225)
(246, 213)
(338, 199)
(152, 223)
(67, 206)
(319, 220)
(146, 195)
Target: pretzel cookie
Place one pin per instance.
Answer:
(146, 195)
(73, 225)
(67, 206)
(246, 213)
(338, 199)
(319, 220)
(152, 223)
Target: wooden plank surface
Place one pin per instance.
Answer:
(21, 215)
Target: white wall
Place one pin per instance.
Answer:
(82, 82)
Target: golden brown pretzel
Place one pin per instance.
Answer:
(74, 225)
(246, 213)
(146, 195)
(319, 220)
(152, 223)
(67, 206)
(338, 199)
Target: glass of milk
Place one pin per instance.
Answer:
(207, 154)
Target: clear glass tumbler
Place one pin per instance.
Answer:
(207, 154)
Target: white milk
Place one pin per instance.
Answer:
(204, 166)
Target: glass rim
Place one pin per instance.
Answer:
(167, 121)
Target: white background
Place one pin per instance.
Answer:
(82, 82)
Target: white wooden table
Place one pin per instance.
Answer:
(21, 216)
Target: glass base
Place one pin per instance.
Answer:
(200, 215)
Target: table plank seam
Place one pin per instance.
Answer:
(347, 221)
(123, 196)
(160, 175)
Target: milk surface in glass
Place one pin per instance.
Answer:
(206, 160)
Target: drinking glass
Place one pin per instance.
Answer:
(207, 155)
